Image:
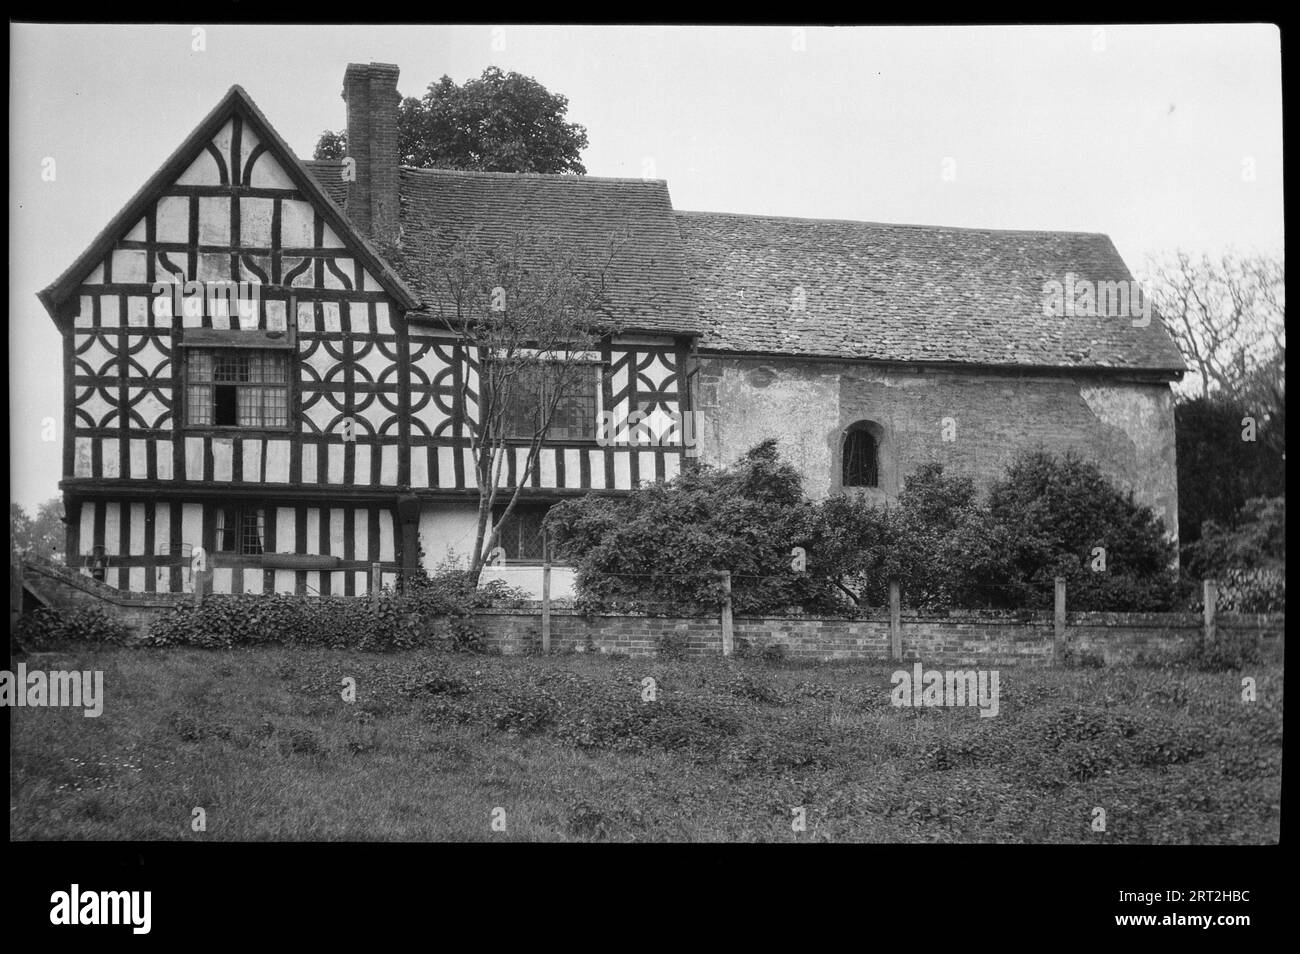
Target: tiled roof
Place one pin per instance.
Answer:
(873, 291)
(646, 280)
(329, 173)
(906, 293)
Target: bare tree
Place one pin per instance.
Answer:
(1225, 314)
(532, 319)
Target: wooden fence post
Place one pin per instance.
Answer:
(376, 584)
(1211, 599)
(546, 604)
(15, 588)
(202, 585)
(895, 621)
(1058, 640)
(728, 640)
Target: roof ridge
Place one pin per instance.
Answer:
(891, 225)
(558, 176)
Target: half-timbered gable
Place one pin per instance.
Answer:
(230, 333)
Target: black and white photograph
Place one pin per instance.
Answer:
(624, 434)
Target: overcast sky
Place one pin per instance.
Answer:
(1145, 133)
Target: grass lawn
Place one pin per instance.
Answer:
(262, 741)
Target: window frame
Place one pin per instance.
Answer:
(241, 511)
(597, 366)
(530, 506)
(858, 432)
(242, 341)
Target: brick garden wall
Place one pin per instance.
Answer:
(991, 639)
(957, 638)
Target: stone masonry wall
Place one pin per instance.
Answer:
(1125, 426)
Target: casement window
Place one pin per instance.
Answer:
(861, 459)
(240, 530)
(533, 387)
(237, 387)
(522, 538)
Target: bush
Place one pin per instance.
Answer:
(1045, 518)
(1248, 560)
(1229, 653)
(671, 645)
(666, 544)
(46, 629)
(432, 611)
(1260, 590)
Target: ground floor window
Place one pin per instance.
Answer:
(240, 529)
(522, 537)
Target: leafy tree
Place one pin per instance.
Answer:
(946, 552)
(332, 145)
(854, 545)
(1218, 471)
(42, 533)
(1258, 541)
(499, 122)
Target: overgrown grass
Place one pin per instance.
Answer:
(263, 742)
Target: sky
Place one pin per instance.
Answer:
(1162, 137)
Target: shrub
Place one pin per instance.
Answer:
(1248, 560)
(45, 629)
(1229, 652)
(1253, 591)
(1048, 516)
(671, 645)
(401, 620)
(1045, 518)
(666, 544)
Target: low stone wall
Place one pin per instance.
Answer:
(957, 638)
(65, 589)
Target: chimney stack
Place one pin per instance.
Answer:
(370, 93)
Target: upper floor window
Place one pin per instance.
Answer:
(534, 387)
(237, 387)
(861, 459)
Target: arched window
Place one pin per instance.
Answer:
(861, 459)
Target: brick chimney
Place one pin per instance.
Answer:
(371, 96)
